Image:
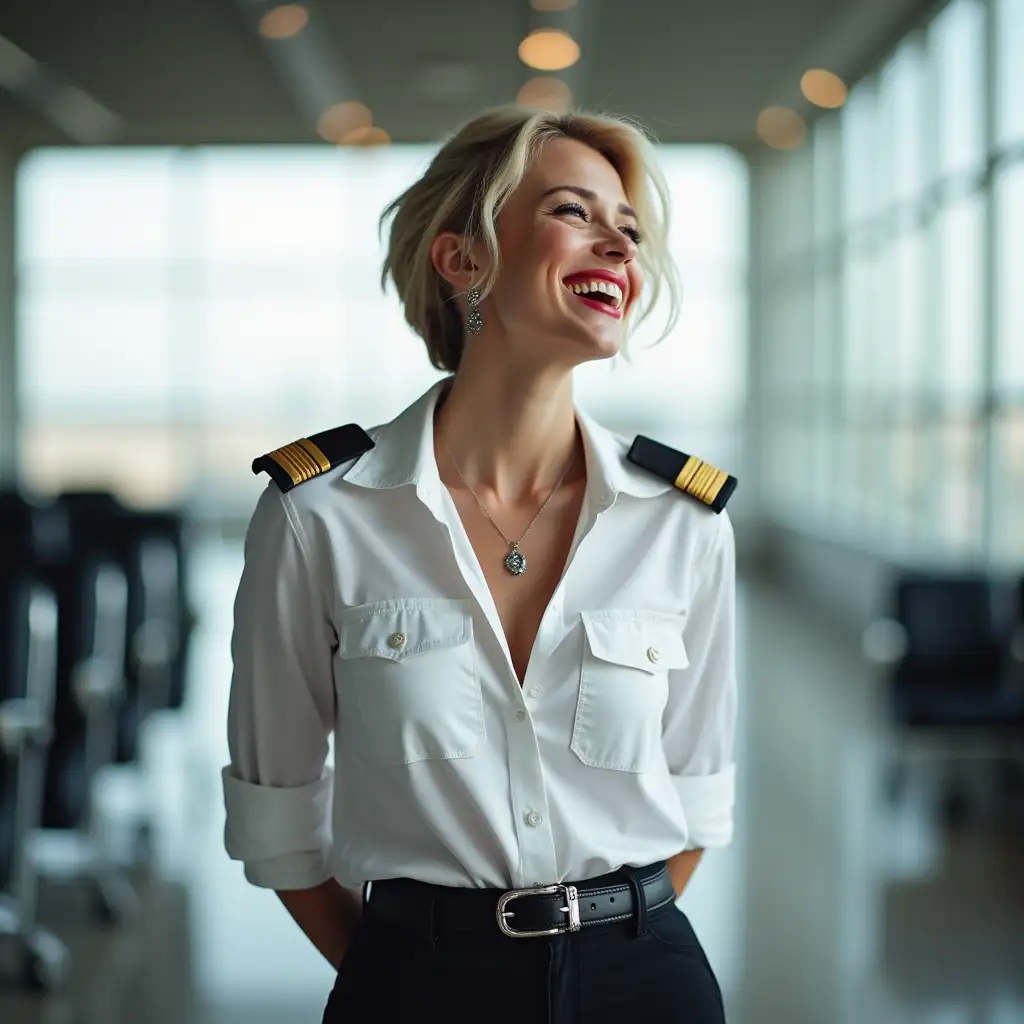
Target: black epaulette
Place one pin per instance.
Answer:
(308, 457)
(696, 477)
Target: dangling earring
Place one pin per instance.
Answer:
(474, 322)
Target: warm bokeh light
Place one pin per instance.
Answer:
(284, 22)
(549, 49)
(552, 5)
(545, 93)
(823, 88)
(367, 135)
(342, 118)
(781, 128)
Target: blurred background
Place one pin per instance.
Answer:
(189, 264)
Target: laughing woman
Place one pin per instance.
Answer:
(517, 624)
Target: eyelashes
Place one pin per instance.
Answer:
(630, 232)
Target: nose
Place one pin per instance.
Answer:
(614, 245)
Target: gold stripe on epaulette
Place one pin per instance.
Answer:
(299, 463)
(318, 455)
(701, 479)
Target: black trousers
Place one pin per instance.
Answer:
(651, 971)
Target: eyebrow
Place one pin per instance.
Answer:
(585, 193)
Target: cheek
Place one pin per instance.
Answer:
(636, 284)
(557, 242)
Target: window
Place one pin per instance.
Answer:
(895, 380)
(1009, 71)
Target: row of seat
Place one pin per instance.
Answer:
(94, 635)
(950, 657)
(953, 649)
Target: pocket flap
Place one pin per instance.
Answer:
(650, 641)
(402, 628)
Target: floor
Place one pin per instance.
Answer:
(833, 905)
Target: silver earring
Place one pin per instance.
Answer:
(474, 322)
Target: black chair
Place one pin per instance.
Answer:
(91, 596)
(955, 666)
(951, 688)
(151, 549)
(28, 675)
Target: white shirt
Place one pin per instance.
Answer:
(617, 749)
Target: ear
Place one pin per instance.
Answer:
(453, 255)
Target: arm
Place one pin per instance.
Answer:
(699, 724)
(328, 914)
(681, 867)
(277, 788)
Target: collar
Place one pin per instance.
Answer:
(403, 453)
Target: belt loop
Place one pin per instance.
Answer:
(639, 901)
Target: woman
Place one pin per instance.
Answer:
(521, 639)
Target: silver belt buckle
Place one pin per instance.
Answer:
(572, 908)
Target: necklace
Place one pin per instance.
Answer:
(515, 560)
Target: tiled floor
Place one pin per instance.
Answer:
(828, 908)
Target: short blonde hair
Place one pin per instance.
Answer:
(468, 182)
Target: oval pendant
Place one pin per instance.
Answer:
(515, 562)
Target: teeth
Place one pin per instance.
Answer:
(582, 287)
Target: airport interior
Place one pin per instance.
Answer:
(190, 278)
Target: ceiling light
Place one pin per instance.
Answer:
(284, 22)
(781, 128)
(367, 135)
(549, 49)
(545, 93)
(552, 5)
(823, 88)
(341, 118)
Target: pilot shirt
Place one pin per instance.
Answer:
(362, 609)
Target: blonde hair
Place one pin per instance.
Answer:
(468, 182)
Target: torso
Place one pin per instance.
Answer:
(521, 600)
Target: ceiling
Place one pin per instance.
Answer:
(195, 71)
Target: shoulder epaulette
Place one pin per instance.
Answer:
(308, 457)
(696, 477)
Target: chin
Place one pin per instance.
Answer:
(601, 346)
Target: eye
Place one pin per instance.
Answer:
(572, 208)
(634, 234)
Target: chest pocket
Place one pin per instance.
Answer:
(407, 680)
(624, 686)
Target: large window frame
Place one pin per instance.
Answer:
(912, 260)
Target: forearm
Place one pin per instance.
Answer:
(328, 914)
(681, 867)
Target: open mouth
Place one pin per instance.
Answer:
(605, 296)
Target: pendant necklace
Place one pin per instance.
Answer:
(515, 560)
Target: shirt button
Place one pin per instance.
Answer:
(396, 641)
(653, 654)
(534, 691)
(533, 819)
(521, 715)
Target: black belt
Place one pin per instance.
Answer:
(521, 913)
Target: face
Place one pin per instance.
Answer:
(568, 243)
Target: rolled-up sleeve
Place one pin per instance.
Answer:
(699, 725)
(277, 790)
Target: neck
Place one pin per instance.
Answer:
(511, 437)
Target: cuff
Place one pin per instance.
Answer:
(282, 834)
(707, 802)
